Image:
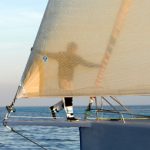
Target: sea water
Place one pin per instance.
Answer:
(53, 138)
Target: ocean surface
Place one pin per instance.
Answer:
(52, 138)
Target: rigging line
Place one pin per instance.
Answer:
(96, 107)
(10, 107)
(116, 100)
(118, 111)
(114, 109)
(126, 113)
(101, 103)
(109, 103)
(101, 106)
(28, 139)
(15, 96)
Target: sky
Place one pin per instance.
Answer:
(19, 23)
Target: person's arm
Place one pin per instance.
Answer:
(49, 54)
(87, 63)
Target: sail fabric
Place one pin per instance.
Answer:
(89, 48)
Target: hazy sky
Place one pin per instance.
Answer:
(19, 23)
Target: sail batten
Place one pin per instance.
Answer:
(80, 42)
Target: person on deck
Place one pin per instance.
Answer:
(67, 62)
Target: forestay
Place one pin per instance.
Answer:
(87, 47)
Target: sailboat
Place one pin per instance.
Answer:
(111, 59)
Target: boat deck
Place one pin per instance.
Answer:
(81, 123)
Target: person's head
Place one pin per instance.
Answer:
(72, 48)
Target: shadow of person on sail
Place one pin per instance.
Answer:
(67, 62)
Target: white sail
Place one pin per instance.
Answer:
(69, 56)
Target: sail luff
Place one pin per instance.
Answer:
(120, 20)
(31, 56)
